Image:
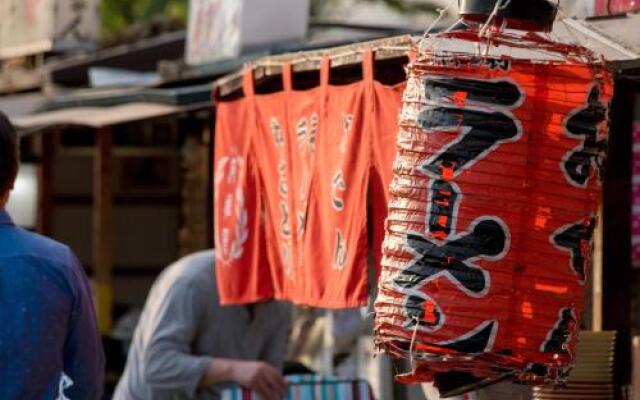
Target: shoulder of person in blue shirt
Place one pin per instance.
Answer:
(49, 342)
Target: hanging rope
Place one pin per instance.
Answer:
(416, 320)
(500, 5)
(442, 12)
(486, 32)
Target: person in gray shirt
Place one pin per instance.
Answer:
(187, 346)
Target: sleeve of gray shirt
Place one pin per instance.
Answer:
(168, 362)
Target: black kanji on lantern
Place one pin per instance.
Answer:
(416, 310)
(560, 336)
(480, 112)
(444, 201)
(585, 125)
(480, 109)
(476, 341)
(574, 238)
(487, 239)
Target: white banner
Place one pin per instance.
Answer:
(222, 29)
(214, 30)
(26, 27)
(34, 26)
(76, 22)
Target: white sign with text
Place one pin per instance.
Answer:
(222, 29)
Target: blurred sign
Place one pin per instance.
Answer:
(26, 27)
(214, 30)
(606, 7)
(77, 22)
(578, 8)
(222, 29)
(35, 26)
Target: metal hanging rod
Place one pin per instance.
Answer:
(384, 49)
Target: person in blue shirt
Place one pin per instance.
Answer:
(49, 343)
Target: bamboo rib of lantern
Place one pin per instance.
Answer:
(384, 49)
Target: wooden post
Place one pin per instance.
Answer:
(616, 230)
(210, 140)
(102, 228)
(596, 280)
(45, 182)
(635, 382)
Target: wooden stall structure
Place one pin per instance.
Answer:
(96, 180)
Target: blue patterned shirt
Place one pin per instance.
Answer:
(49, 344)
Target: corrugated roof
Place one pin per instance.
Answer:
(617, 38)
(181, 96)
(625, 30)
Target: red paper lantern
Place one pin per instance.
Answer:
(492, 208)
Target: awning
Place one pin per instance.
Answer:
(98, 117)
(19, 105)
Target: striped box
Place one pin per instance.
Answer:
(312, 387)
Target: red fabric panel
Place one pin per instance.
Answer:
(305, 111)
(243, 274)
(311, 154)
(336, 240)
(356, 149)
(384, 112)
(272, 148)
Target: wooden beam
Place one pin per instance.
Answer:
(124, 152)
(384, 49)
(596, 286)
(102, 228)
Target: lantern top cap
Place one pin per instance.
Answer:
(531, 15)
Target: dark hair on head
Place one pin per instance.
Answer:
(9, 154)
